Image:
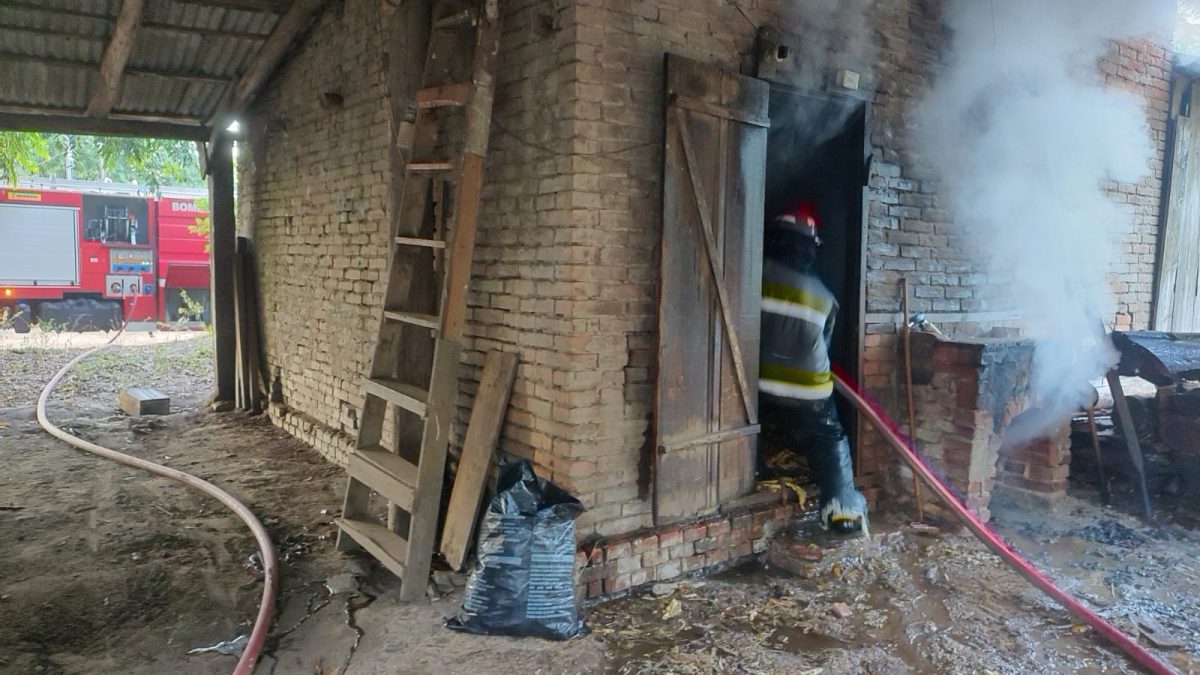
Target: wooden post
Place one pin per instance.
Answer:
(221, 237)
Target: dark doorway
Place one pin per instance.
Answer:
(817, 152)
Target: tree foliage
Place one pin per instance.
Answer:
(203, 223)
(21, 154)
(148, 162)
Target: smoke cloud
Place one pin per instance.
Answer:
(825, 37)
(1024, 134)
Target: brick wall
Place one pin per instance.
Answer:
(313, 189)
(1145, 70)
(618, 565)
(566, 270)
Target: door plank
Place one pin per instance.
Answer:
(713, 189)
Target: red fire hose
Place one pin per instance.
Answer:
(908, 451)
(262, 624)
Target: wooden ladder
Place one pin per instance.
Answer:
(414, 371)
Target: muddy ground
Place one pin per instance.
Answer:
(106, 570)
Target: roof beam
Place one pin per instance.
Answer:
(84, 15)
(297, 20)
(116, 54)
(290, 27)
(274, 6)
(10, 57)
(69, 124)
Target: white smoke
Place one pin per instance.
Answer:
(1024, 133)
(824, 37)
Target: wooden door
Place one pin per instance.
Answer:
(706, 416)
(1177, 308)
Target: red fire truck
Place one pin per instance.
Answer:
(90, 255)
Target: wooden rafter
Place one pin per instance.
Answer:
(7, 57)
(116, 54)
(290, 27)
(273, 6)
(84, 15)
(78, 124)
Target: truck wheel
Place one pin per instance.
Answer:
(20, 320)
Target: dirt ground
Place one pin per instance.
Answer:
(106, 570)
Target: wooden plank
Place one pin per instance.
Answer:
(355, 505)
(258, 375)
(483, 431)
(458, 266)
(243, 321)
(299, 16)
(715, 266)
(413, 318)
(1178, 282)
(453, 94)
(427, 497)
(1131, 441)
(715, 437)
(116, 54)
(79, 64)
(712, 110)
(73, 122)
(386, 473)
(138, 401)
(741, 191)
(272, 6)
(429, 167)
(414, 241)
(712, 219)
(239, 342)
(386, 546)
(221, 238)
(407, 396)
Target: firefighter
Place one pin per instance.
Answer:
(798, 313)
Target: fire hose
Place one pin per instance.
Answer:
(262, 623)
(908, 451)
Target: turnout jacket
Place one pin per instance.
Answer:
(798, 313)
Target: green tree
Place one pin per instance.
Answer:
(149, 162)
(21, 153)
(203, 223)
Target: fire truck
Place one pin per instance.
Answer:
(82, 255)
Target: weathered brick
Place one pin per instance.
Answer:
(565, 271)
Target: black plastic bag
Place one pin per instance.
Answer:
(524, 584)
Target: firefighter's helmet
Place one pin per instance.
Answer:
(802, 218)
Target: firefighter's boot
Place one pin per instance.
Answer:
(843, 508)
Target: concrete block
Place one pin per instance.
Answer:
(137, 401)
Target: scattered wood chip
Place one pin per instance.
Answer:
(923, 529)
(1153, 631)
(674, 608)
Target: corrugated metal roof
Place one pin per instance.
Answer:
(187, 57)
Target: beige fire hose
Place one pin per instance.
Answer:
(266, 610)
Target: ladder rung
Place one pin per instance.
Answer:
(430, 166)
(415, 318)
(456, 20)
(417, 241)
(404, 395)
(387, 473)
(454, 94)
(388, 547)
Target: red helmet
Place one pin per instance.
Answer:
(801, 218)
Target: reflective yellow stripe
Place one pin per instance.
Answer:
(795, 295)
(790, 375)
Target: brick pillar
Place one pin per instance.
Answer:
(1040, 467)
